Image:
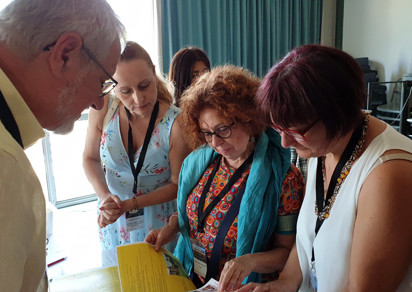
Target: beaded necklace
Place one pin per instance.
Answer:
(324, 214)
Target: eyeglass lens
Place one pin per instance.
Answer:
(294, 135)
(197, 74)
(107, 87)
(222, 132)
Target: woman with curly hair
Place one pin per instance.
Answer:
(238, 194)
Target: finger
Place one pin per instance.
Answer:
(103, 220)
(100, 222)
(224, 277)
(151, 238)
(222, 283)
(164, 236)
(240, 279)
(264, 288)
(108, 206)
(231, 272)
(235, 274)
(113, 212)
(117, 200)
(159, 241)
(248, 287)
(109, 219)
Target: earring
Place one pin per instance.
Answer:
(252, 139)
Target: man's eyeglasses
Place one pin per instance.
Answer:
(223, 132)
(299, 136)
(110, 82)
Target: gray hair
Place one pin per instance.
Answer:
(28, 26)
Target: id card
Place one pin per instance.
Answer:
(313, 279)
(199, 258)
(135, 220)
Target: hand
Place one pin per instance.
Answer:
(111, 208)
(234, 272)
(256, 287)
(161, 236)
(274, 286)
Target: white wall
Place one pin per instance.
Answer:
(382, 31)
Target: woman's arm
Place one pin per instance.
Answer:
(279, 247)
(382, 239)
(269, 261)
(93, 168)
(289, 279)
(160, 237)
(91, 154)
(177, 153)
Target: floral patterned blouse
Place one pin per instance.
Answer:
(290, 201)
(155, 173)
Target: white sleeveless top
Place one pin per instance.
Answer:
(334, 240)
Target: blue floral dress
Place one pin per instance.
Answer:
(155, 173)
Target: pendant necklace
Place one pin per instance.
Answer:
(321, 210)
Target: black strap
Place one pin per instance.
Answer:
(8, 120)
(214, 261)
(136, 170)
(201, 215)
(320, 191)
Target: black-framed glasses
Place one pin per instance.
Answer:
(109, 84)
(223, 132)
(297, 135)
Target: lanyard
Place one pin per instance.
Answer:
(150, 127)
(8, 120)
(214, 261)
(202, 214)
(320, 191)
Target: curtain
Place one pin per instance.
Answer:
(254, 34)
(339, 23)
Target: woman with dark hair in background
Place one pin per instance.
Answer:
(354, 229)
(186, 66)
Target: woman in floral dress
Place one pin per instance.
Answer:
(134, 195)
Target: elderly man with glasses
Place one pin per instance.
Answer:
(48, 76)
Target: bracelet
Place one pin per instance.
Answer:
(136, 207)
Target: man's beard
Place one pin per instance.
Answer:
(66, 99)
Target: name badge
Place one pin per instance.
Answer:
(135, 220)
(200, 258)
(313, 279)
